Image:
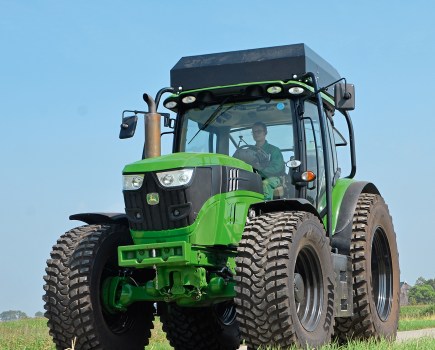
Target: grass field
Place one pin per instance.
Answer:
(417, 317)
(32, 334)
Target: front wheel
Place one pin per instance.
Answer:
(90, 257)
(285, 282)
(375, 265)
(208, 328)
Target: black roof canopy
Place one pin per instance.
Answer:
(255, 65)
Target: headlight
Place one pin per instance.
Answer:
(175, 178)
(132, 182)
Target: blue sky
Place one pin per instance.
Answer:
(69, 68)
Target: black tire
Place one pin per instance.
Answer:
(208, 328)
(375, 265)
(57, 288)
(285, 282)
(93, 258)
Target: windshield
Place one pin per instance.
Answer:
(228, 127)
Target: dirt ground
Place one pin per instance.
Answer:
(402, 336)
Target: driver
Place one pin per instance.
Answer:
(271, 162)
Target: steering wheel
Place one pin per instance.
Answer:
(252, 155)
(248, 147)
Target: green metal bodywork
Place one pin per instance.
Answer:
(225, 212)
(327, 98)
(184, 160)
(338, 192)
(193, 265)
(184, 273)
(184, 259)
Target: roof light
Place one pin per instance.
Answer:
(171, 104)
(189, 99)
(274, 89)
(296, 90)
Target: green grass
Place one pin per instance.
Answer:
(417, 317)
(417, 344)
(27, 334)
(32, 334)
(158, 338)
(409, 325)
(417, 311)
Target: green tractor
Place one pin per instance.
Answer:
(246, 232)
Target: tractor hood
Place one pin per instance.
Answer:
(184, 160)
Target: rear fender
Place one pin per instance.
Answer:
(101, 218)
(343, 231)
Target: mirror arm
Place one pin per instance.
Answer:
(323, 89)
(352, 146)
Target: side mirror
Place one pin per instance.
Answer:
(344, 97)
(128, 127)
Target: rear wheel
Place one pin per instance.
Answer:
(213, 328)
(375, 266)
(285, 281)
(93, 258)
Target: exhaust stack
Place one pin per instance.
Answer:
(152, 147)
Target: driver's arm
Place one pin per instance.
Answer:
(276, 165)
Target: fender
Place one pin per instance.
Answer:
(101, 218)
(343, 231)
(291, 204)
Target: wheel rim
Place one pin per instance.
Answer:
(382, 274)
(120, 322)
(225, 312)
(308, 288)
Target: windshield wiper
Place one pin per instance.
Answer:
(212, 118)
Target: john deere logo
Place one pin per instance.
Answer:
(153, 198)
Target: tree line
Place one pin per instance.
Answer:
(14, 315)
(423, 292)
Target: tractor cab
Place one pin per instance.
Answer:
(218, 98)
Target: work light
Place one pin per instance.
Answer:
(175, 178)
(132, 182)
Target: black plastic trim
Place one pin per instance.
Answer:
(244, 66)
(343, 231)
(292, 204)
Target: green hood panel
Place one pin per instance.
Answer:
(226, 213)
(184, 160)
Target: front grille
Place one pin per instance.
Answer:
(176, 208)
(179, 207)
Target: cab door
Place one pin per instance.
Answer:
(313, 157)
